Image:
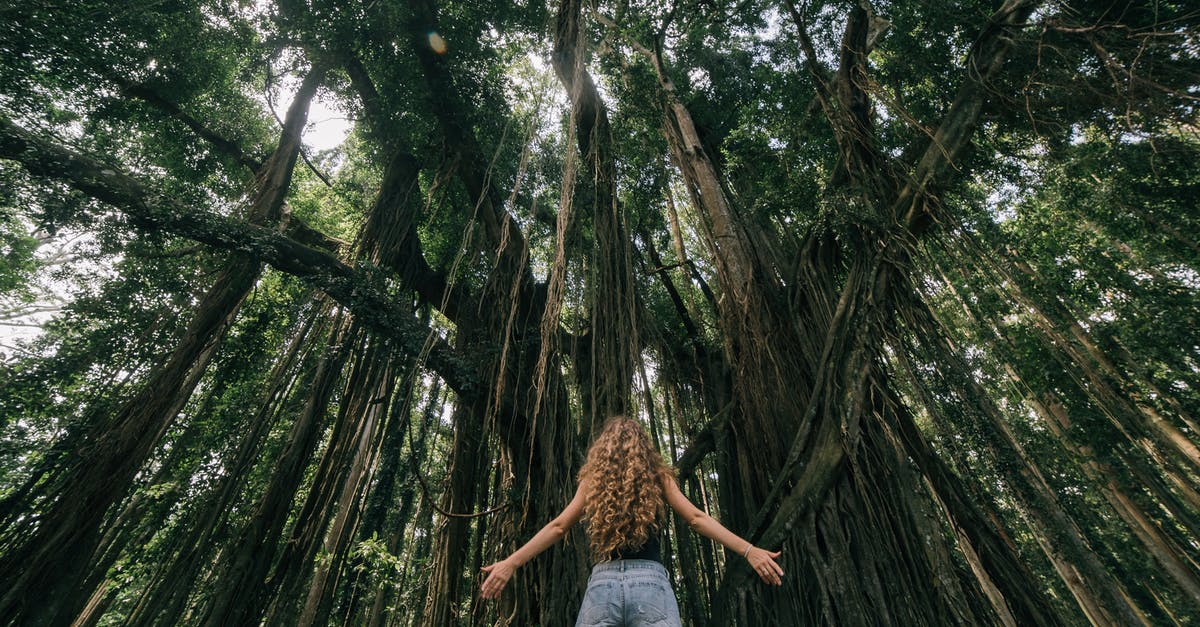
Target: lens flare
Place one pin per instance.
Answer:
(437, 43)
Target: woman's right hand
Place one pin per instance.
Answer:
(763, 563)
(498, 575)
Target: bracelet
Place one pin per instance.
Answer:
(746, 553)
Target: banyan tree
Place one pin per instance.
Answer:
(906, 290)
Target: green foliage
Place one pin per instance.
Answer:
(17, 263)
(1072, 212)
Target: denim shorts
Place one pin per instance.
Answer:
(628, 593)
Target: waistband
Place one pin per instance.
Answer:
(627, 565)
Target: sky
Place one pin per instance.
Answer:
(327, 125)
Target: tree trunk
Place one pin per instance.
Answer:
(370, 401)
(1100, 597)
(450, 547)
(112, 455)
(241, 570)
(164, 600)
(1054, 415)
(72, 524)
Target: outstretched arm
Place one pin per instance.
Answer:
(500, 572)
(761, 560)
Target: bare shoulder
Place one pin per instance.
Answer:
(584, 487)
(671, 492)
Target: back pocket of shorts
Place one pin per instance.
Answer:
(598, 604)
(650, 601)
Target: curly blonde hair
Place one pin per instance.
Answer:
(625, 501)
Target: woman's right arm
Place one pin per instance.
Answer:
(761, 560)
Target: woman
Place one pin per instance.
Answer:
(622, 491)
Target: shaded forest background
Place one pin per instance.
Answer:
(908, 290)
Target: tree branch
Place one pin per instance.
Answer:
(221, 143)
(819, 75)
(704, 442)
(360, 290)
(409, 258)
(984, 61)
(455, 122)
(295, 228)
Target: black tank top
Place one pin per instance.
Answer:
(648, 551)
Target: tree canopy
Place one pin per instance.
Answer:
(907, 290)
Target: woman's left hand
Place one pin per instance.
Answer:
(763, 563)
(498, 576)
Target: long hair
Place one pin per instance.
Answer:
(625, 501)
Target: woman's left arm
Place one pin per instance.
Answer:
(500, 572)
